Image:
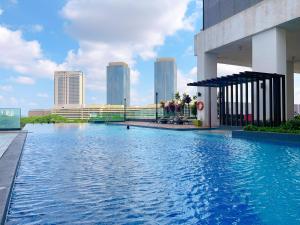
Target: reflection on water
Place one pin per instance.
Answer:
(95, 174)
(66, 126)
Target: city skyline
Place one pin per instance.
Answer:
(36, 46)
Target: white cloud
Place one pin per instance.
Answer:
(42, 95)
(6, 88)
(184, 79)
(143, 24)
(137, 99)
(189, 51)
(24, 80)
(191, 76)
(24, 57)
(120, 30)
(37, 28)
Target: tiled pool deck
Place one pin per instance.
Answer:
(11, 146)
(5, 140)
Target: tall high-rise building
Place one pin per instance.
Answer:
(68, 88)
(165, 79)
(118, 83)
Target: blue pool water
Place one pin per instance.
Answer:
(98, 174)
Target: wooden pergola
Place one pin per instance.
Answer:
(245, 115)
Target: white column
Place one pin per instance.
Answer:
(290, 90)
(206, 69)
(269, 55)
(269, 51)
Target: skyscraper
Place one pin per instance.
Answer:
(165, 78)
(118, 83)
(68, 88)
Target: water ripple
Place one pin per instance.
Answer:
(97, 174)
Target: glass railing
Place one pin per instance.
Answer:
(134, 114)
(106, 117)
(10, 119)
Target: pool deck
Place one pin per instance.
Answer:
(11, 148)
(5, 140)
(184, 127)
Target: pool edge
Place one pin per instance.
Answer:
(9, 163)
(162, 128)
(267, 136)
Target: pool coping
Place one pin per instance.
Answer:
(267, 136)
(9, 163)
(161, 128)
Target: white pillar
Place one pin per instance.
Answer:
(206, 69)
(269, 51)
(269, 55)
(290, 90)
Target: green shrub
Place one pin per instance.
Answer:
(297, 117)
(197, 123)
(291, 126)
(194, 109)
(49, 119)
(251, 128)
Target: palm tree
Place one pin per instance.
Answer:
(187, 99)
(177, 96)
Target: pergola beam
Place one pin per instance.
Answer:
(276, 103)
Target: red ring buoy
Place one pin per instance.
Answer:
(200, 105)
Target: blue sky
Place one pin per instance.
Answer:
(39, 37)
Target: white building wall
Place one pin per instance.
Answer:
(207, 69)
(297, 109)
(269, 55)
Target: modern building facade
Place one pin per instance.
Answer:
(68, 88)
(261, 34)
(165, 79)
(118, 83)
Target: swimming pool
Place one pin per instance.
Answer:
(98, 174)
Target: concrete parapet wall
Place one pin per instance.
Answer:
(267, 136)
(260, 17)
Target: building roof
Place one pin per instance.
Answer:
(165, 59)
(118, 64)
(235, 79)
(68, 71)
